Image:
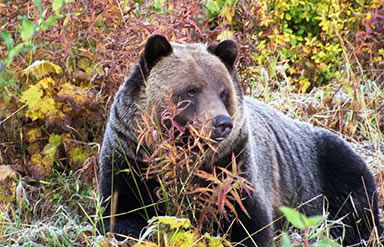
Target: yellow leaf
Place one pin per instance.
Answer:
(216, 241)
(225, 35)
(84, 63)
(66, 21)
(31, 96)
(47, 162)
(228, 12)
(36, 159)
(200, 244)
(8, 179)
(77, 97)
(173, 222)
(47, 105)
(42, 68)
(46, 82)
(39, 166)
(182, 239)
(33, 148)
(146, 244)
(304, 84)
(33, 134)
(78, 154)
(46, 108)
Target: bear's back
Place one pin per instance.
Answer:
(289, 146)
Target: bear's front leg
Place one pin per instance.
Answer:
(127, 207)
(256, 230)
(350, 189)
(124, 226)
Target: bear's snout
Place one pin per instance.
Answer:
(221, 127)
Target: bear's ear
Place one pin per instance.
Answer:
(227, 52)
(157, 47)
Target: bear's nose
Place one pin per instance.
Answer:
(222, 126)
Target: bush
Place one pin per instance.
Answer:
(313, 37)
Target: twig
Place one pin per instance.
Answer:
(3, 121)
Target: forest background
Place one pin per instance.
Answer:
(321, 62)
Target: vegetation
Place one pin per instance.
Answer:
(61, 62)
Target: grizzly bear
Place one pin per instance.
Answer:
(287, 161)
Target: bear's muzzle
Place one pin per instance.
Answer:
(221, 127)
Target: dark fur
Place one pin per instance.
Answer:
(287, 161)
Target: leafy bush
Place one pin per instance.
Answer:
(313, 36)
(306, 225)
(62, 107)
(55, 117)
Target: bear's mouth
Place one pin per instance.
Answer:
(219, 139)
(220, 134)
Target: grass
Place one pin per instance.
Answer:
(54, 213)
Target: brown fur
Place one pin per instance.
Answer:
(189, 67)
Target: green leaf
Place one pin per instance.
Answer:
(213, 7)
(311, 221)
(49, 22)
(293, 41)
(6, 78)
(286, 240)
(326, 242)
(38, 5)
(157, 4)
(294, 217)
(51, 148)
(56, 5)
(16, 50)
(7, 39)
(4, 63)
(27, 29)
(55, 140)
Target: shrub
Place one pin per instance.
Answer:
(313, 37)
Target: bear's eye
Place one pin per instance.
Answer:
(224, 95)
(191, 92)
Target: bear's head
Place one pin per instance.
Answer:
(203, 76)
